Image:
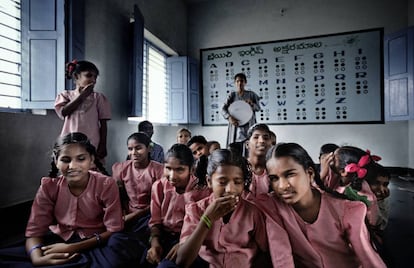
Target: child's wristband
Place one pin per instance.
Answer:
(206, 221)
(34, 248)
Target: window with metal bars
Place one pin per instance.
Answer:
(155, 87)
(10, 54)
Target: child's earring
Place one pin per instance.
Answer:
(208, 179)
(312, 179)
(311, 173)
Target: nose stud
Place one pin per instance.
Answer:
(288, 186)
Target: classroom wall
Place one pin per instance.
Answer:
(28, 139)
(165, 19)
(231, 22)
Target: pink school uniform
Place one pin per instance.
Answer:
(260, 184)
(168, 206)
(96, 210)
(86, 117)
(338, 238)
(332, 181)
(138, 183)
(236, 243)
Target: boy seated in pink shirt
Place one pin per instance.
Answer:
(379, 187)
(258, 143)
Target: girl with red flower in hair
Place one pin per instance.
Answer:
(350, 169)
(324, 228)
(82, 108)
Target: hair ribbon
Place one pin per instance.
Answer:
(359, 167)
(72, 65)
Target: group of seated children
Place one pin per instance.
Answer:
(207, 207)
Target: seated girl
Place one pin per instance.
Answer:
(136, 176)
(76, 217)
(350, 170)
(325, 230)
(225, 230)
(169, 195)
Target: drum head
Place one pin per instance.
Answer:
(242, 111)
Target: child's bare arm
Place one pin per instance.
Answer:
(188, 251)
(325, 162)
(71, 106)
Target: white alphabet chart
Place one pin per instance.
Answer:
(325, 79)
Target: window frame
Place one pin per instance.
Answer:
(147, 97)
(156, 44)
(12, 6)
(42, 38)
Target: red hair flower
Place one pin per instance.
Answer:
(359, 167)
(72, 65)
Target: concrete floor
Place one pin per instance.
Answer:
(399, 234)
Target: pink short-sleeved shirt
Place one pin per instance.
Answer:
(234, 244)
(86, 117)
(338, 238)
(332, 181)
(260, 184)
(138, 182)
(96, 210)
(168, 206)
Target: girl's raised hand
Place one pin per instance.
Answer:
(326, 161)
(221, 206)
(87, 90)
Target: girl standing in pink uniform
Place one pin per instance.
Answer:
(324, 230)
(83, 109)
